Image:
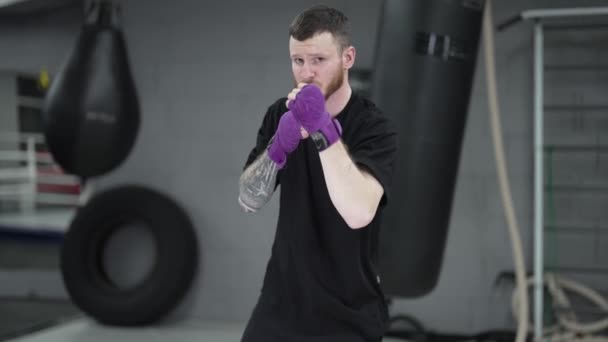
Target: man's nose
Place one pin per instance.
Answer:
(307, 72)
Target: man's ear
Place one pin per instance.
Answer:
(348, 57)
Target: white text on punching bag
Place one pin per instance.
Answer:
(101, 117)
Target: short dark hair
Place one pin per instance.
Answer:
(319, 19)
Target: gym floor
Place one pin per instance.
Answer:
(21, 316)
(84, 329)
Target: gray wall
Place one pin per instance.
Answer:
(8, 102)
(206, 75)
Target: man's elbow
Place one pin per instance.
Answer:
(357, 219)
(246, 208)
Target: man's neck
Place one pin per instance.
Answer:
(338, 100)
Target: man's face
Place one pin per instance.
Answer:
(317, 60)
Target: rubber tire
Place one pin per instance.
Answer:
(167, 282)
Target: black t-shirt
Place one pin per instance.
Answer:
(321, 283)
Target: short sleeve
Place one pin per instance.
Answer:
(374, 148)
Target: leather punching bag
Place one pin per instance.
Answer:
(423, 74)
(91, 111)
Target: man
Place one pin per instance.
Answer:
(332, 152)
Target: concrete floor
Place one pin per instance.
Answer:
(84, 329)
(19, 316)
(38, 320)
(87, 330)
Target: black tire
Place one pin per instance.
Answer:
(164, 286)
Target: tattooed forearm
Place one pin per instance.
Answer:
(257, 183)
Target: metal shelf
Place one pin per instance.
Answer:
(576, 148)
(579, 270)
(574, 107)
(590, 310)
(585, 228)
(540, 147)
(570, 67)
(575, 27)
(577, 188)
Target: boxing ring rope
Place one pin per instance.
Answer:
(31, 177)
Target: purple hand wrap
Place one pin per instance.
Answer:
(285, 140)
(309, 110)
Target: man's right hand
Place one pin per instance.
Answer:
(285, 140)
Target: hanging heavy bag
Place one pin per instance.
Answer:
(91, 111)
(422, 80)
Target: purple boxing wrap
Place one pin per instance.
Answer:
(309, 110)
(285, 140)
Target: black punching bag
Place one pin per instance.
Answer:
(423, 73)
(91, 111)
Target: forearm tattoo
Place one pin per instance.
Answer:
(257, 183)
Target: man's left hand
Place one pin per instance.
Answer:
(308, 106)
